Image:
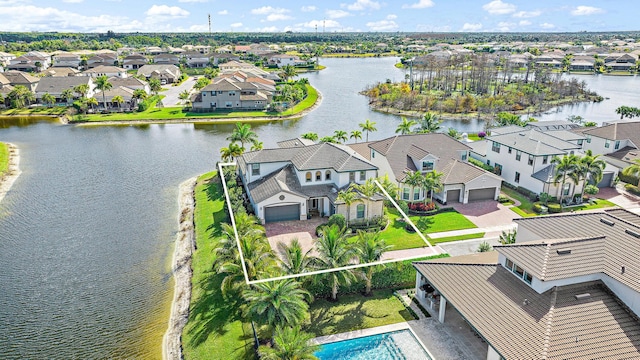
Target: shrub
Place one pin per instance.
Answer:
(628, 179)
(480, 164)
(422, 207)
(503, 199)
(337, 219)
(403, 206)
(484, 247)
(528, 193)
(632, 189)
(482, 134)
(537, 207)
(554, 208)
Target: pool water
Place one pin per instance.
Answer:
(397, 345)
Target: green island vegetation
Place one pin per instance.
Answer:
(4, 158)
(476, 85)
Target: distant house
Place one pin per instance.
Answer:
(281, 60)
(231, 94)
(21, 78)
(56, 85)
(102, 60)
(166, 59)
(5, 58)
(108, 71)
(5, 88)
(153, 50)
(134, 62)
(618, 142)
(165, 73)
(108, 103)
(66, 59)
(28, 63)
(60, 71)
(301, 179)
(582, 63)
(130, 82)
(219, 58)
(195, 59)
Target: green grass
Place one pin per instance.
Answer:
(355, 312)
(526, 205)
(44, 111)
(456, 238)
(214, 330)
(4, 158)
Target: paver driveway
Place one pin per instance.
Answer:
(487, 214)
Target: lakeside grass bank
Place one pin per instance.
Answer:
(9, 167)
(4, 158)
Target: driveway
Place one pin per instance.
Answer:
(487, 214)
(621, 198)
(172, 93)
(285, 231)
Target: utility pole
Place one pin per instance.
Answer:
(209, 15)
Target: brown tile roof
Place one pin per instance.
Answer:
(20, 78)
(522, 324)
(626, 155)
(362, 149)
(618, 131)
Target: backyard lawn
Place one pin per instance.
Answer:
(4, 158)
(525, 209)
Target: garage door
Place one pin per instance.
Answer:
(482, 194)
(282, 213)
(606, 180)
(453, 196)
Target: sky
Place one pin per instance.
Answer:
(327, 15)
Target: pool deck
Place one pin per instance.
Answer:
(361, 333)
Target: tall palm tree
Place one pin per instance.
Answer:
(290, 343)
(413, 179)
(118, 100)
(633, 169)
(594, 166)
(334, 251)
(257, 145)
(139, 94)
(294, 259)
(348, 197)
(287, 71)
(48, 99)
(310, 136)
(82, 90)
(231, 152)
(432, 183)
(67, 94)
(155, 86)
(340, 135)
(429, 123)
(329, 139)
(184, 96)
(356, 135)
(93, 102)
(368, 126)
(243, 134)
(276, 303)
(564, 167)
(19, 96)
(103, 84)
(369, 248)
(405, 126)
(259, 261)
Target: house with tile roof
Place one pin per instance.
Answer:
(56, 85)
(568, 288)
(300, 179)
(234, 91)
(167, 72)
(21, 78)
(619, 142)
(66, 59)
(401, 154)
(108, 71)
(134, 61)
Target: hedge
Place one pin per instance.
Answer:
(632, 189)
(628, 179)
(554, 208)
(480, 164)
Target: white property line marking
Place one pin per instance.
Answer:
(317, 272)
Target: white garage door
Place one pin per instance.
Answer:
(482, 194)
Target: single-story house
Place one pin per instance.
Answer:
(168, 73)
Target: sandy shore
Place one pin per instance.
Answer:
(7, 180)
(182, 272)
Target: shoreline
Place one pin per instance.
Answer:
(13, 172)
(182, 272)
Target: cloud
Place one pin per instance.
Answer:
(193, 1)
(72, 1)
(223, 12)
(362, 5)
(392, 17)
(337, 14)
(382, 25)
(277, 17)
(167, 11)
(236, 25)
(309, 8)
(497, 7)
(505, 26)
(547, 26)
(421, 4)
(586, 10)
(471, 27)
(527, 14)
(524, 23)
(266, 10)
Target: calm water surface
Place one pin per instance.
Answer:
(87, 231)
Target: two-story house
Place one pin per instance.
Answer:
(167, 74)
(232, 93)
(281, 60)
(105, 59)
(134, 61)
(401, 154)
(108, 71)
(301, 179)
(56, 85)
(568, 288)
(166, 59)
(196, 59)
(66, 59)
(619, 142)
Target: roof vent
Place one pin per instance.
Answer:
(521, 134)
(632, 233)
(607, 221)
(564, 251)
(583, 296)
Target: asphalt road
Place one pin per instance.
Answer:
(171, 94)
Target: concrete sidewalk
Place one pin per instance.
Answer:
(486, 230)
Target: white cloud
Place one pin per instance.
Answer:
(236, 25)
(277, 17)
(524, 23)
(497, 7)
(547, 26)
(362, 5)
(198, 28)
(392, 17)
(266, 10)
(337, 14)
(382, 25)
(168, 11)
(505, 26)
(223, 12)
(72, 1)
(471, 27)
(309, 8)
(421, 4)
(319, 23)
(193, 1)
(527, 14)
(586, 10)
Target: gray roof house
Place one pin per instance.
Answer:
(569, 287)
(56, 85)
(301, 179)
(167, 72)
(21, 78)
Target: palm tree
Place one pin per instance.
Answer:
(594, 166)
(633, 169)
(288, 71)
(276, 303)
(369, 248)
(340, 135)
(368, 126)
(294, 259)
(184, 96)
(348, 197)
(329, 139)
(93, 102)
(155, 86)
(432, 183)
(405, 126)
(508, 237)
(289, 343)
(243, 134)
(356, 134)
(82, 90)
(564, 167)
(413, 179)
(139, 94)
(118, 100)
(67, 94)
(429, 124)
(334, 251)
(48, 99)
(19, 96)
(256, 145)
(231, 152)
(454, 133)
(103, 84)
(310, 136)
(259, 261)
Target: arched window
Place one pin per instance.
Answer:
(360, 211)
(327, 175)
(318, 176)
(308, 176)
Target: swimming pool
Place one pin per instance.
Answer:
(397, 345)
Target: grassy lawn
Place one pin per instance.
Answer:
(4, 158)
(213, 330)
(355, 312)
(595, 204)
(456, 238)
(526, 205)
(44, 111)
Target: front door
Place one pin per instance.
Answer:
(314, 204)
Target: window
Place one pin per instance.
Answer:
(518, 155)
(464, 156)
(588, 139)
(495, 147)
(545, 159)
(416, 194)
(427, 165)
(308, 176)
(228, 104)
(527, 278)
(617, 145)
(580, 142)
(489, 162)
(517, 179)
(509, 151)
(405, 194)
(518, 270)
(232, 93)
(565, 190)
(373, 154)
(607, 143)
(530, 162)
(255, 169)
(363, 175)
(497, 169)
(352, 177)
(318, 176)
(327, 175)
(509, 264)
(360, 211)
